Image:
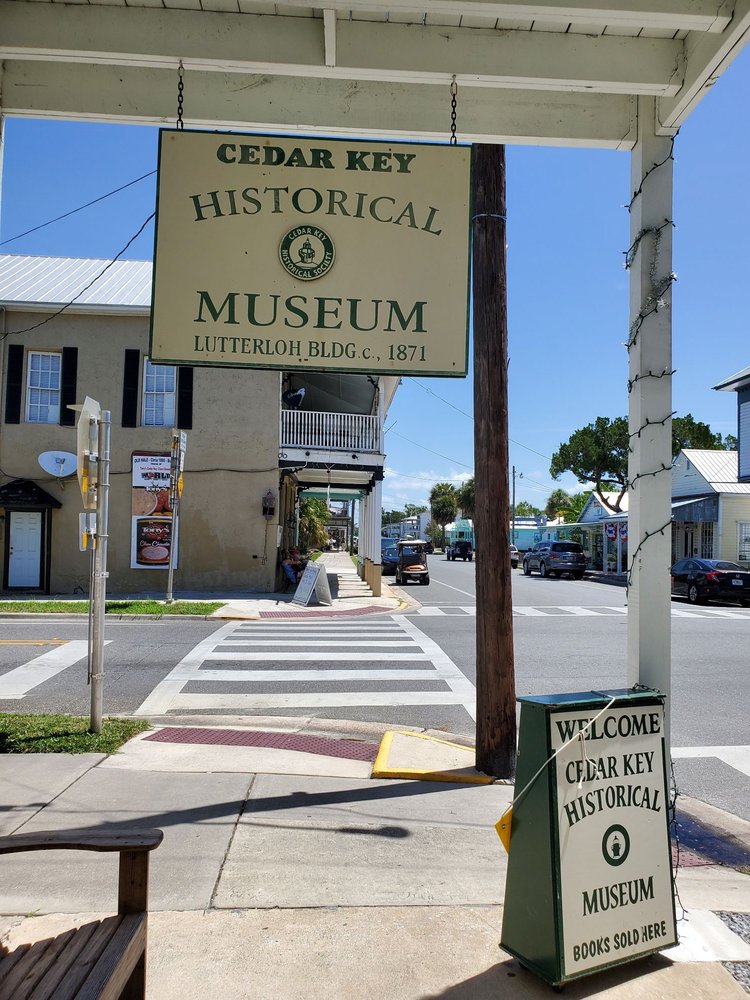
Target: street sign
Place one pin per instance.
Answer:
(589, 880)
(86, 451)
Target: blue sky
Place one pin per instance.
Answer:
(568, 289)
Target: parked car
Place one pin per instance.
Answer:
(555, 558)
(711, 579)
(460, 549)
(389, 557)
(514, 556)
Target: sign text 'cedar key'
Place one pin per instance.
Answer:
(318, 254)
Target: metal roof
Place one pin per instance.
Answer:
(92, 285)
(718, 468)
(565, 72)
(736, 381)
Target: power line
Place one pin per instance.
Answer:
(418, 445)
(73, 211)
(470, 417)
(93, 281)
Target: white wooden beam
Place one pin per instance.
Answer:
(706, 58)
(291, 105)
(361, 50)
(329, 35)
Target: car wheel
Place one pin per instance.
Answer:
(577, 576)
(693, 596)
(745, 603)
(514, 565)
(425, 580)
(470, 558)
(542, 569)
(526, 569)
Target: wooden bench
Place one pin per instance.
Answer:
(105, 959)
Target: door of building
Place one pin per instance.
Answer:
(25, 549)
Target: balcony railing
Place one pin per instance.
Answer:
(332, 431)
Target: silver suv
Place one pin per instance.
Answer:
(555, 558)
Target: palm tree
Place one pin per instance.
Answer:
(444, 504)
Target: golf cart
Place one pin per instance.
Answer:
(412, 561)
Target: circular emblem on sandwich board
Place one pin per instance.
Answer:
(615, 845)
(307, 252)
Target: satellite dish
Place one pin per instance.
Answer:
(58, 463)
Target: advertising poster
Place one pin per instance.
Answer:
(614, 855)
(151, 512)
(318, 254)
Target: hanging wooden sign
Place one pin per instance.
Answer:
(316, 254)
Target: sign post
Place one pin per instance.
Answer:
(589, 880)
(93, 443)
(177, 466)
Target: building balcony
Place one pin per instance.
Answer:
(319, 430)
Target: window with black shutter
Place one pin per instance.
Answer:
(68, 386)
(185, 397)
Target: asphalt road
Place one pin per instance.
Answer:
(414, 669)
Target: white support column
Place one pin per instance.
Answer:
(650, 406)
(377, 511)
(363, 535)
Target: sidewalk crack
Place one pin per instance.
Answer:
(240, 814)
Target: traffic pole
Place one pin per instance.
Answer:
(99, 595)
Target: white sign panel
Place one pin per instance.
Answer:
(314, 581)
(612, 804)
(311, 254)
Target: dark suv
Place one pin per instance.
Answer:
(555, 558)
(460, 550)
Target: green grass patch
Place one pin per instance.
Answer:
(64, 734)
(114, 607)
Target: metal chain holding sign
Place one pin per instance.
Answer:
(454, 93)
(180, 95)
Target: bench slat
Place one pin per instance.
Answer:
(46, 988)
(8, 962)
(88, 958)
(39, 966)
(13, 983)
(108, 978)
(82, 840)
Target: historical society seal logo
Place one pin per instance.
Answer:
(307, 252)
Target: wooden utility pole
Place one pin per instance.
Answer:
(496, 690)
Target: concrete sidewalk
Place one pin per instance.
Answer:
(291, 874)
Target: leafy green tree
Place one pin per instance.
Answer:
(730, 442)
(596, 453)
(557, 501)
(393, 516)
(443, 504)
(690, 433)
(525, 509)
(313, 517)
(574, 508)
(466, 498)
(412, 509)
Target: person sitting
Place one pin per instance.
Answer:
(289, 567)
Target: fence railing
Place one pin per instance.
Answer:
(334, 431)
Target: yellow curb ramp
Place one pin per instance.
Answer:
(426, 758)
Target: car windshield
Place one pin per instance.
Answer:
(566, 547)
(389, 550)
(411, 550)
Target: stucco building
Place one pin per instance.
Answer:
(243, 444)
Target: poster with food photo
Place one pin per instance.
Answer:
(151, 520)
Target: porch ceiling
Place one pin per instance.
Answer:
(539, 71)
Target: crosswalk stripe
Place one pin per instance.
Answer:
(385, 657)
(292, 676)
(350, 644)
(530, 612)
(17, 683)
(579, 612)
(365, 699)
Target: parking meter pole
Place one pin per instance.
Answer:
(99, 593)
